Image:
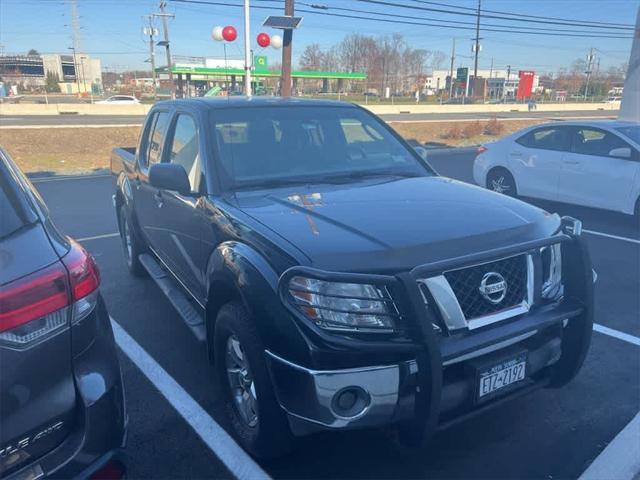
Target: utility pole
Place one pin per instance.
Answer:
(75, 26)
(590, 58)
(453, 59)
(286, 52)
(504, 87)
(75, 69)
(247, 50)
(476, 51)
(150, 30)
(165, 27)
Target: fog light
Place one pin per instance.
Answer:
(350, 402)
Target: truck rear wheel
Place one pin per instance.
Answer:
(258, 421)
(131, 245)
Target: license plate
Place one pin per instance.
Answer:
(502, 375)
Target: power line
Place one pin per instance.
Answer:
(573, 23)
(458, 22)
(524, 15)
(406, 22)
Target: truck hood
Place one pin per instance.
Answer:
(394, 225)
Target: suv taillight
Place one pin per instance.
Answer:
(37, 305)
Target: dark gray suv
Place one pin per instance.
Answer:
(62, 410)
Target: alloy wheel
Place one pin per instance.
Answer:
(242, 386)
(500, 185)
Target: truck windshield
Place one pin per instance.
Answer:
(283, 145)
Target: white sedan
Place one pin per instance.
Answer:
(595, 164)
(119, 100)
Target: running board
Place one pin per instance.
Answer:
(175, 295)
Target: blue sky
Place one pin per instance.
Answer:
(112, 29)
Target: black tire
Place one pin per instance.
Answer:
(132, 246)
(501, 181)
(270, 436)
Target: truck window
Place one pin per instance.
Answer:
(157, 136)
(185, 150)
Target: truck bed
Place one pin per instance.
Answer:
(123, 159)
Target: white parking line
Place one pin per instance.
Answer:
(98, 237)
(621, 459)
(615, 237)
(237, 461)
(625, 337)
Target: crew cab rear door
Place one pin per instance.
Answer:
(37, 390)
(146, 198)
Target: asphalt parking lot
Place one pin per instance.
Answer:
(549, 434)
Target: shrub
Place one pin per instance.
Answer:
(454, 133)
(472, 130)
(493, 127)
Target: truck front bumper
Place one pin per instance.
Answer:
(346, 398)
(378, 396)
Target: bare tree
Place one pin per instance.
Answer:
(437, 60)
(312, 58)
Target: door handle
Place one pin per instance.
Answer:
(572, 162)
(158, 198)
(516, 154)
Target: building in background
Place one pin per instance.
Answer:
(71, 73)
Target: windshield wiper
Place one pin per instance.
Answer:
(276, 182)
(347, 176)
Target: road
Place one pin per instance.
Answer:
(549, 434)
(70, 119)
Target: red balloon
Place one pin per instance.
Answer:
(263, 40)
(229, 33)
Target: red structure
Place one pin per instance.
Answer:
(525, 86)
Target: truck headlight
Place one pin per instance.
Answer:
(551, 272)
(343, 306)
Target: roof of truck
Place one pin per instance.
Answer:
(246, 102)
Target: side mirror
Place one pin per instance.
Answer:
(169, 176)
(622, 152)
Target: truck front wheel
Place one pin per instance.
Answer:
(258, 421)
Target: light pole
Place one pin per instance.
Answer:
(247, 50)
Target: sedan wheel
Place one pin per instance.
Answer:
(501, 181)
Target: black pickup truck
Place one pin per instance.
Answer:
(336, 279)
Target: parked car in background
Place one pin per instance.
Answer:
(339, 282)
(594, 164)
(62, 411)
(119, 100)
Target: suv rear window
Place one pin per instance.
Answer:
(12, 211)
